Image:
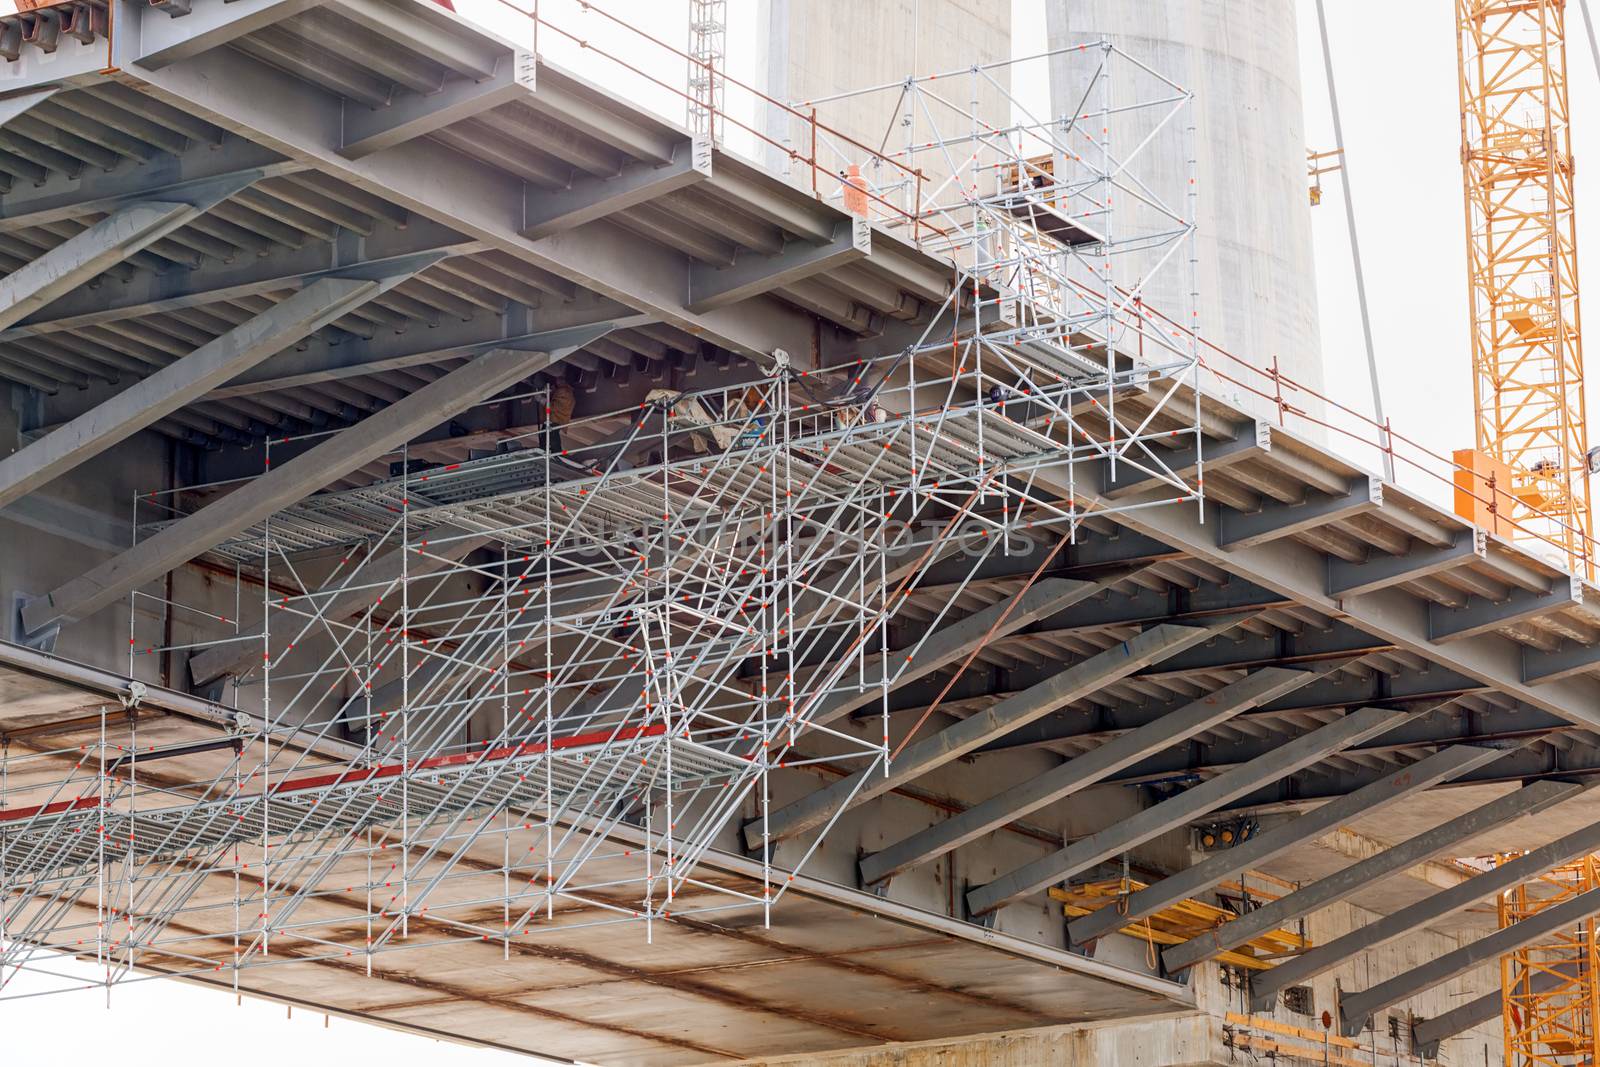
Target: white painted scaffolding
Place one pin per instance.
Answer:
(563, 672)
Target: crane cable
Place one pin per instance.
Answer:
(1355, 250)
(1588, 25)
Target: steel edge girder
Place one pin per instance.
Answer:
(1298, 571)
(303, 123)
(211, 283)
(1286, 567)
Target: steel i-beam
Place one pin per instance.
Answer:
(1266, 985)
(367, 130)
(1082, 772)
(713, 288)
(1480, 616)
(1569, 660)
(548, 212)
(188, 379)
(972, 733)
(278, 488)
(1428, 1034)
(1274, 521)
(1231, 862)
(1356, 1008)
(108, 242)
(303, 121)
(166, 40)
(1169, 814)
(1345, 883)
(948, 644)
(1380, 571)
(1138, 471)
(1391, 615)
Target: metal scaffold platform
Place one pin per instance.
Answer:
(544, 683)
(555, 583)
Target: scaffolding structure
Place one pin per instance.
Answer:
(1522, 269)
(1548, 990)
(708, 54)
(477, 692)
(1052, 212)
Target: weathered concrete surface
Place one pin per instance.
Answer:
(1188, 1041)
(807, 57)
(1257, 280)
(835, 969)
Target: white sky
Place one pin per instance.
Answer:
(1395, 64)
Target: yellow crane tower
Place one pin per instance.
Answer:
(1528, 477)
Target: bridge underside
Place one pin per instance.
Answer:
(363, 234)
(836, 968)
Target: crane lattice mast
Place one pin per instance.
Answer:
(1522, 273)
(1528, 477)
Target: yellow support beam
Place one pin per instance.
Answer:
(1178, 923)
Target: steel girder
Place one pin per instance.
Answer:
(1285, 759)
(189, 378)
(1394, 616)
(1227, 863)
(1345, 883)
(969, 734)
(1266, 986)
(1356, 1009)
(285, 484)
(1077, 774)
(306, 124)
(278, 270)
